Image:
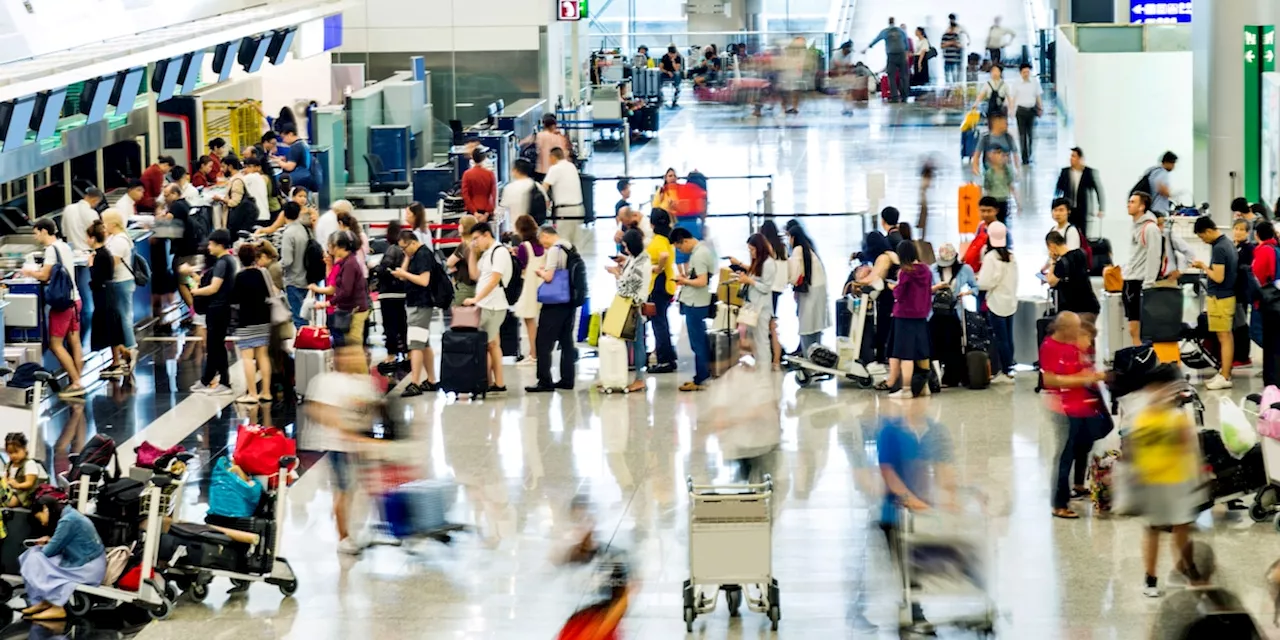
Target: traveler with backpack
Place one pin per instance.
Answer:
(293, 258)
(522, 196)
(993, 95)
(1155, 183)
(997, 137)
(214, 298)
(495, 265)
(555, 319)
(1266, 259)
(22, 474)
(57, 273)
(1201, 610)
(121, 247)
(1148, 258)
(1068, 275)
(424, 285)
(56, 565)
(999, 279)
(896, 67)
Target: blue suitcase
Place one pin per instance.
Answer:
(968, 143)
(419, 508)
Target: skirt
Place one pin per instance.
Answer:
(253, 336)
(910, 339)
(47, 580)
(104, 325)
(527, 306)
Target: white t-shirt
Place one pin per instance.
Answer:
(1026, 93)
(122, 247)
(191, 194)
(75, 224)
(515, 197)
(565, 185)
(496, 260)
(1072, 235)
(127, 208)
(28, 467)
(255, 185)
(995, 37)
(347, 392)
(326, 226)
(60, 252)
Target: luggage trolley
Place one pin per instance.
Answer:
(848, 366)
(944, 560)
(1266, 502)
(731, 548)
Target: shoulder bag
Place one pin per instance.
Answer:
(280, 312)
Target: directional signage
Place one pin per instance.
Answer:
(1145, 11)
(1268, 49)
(568, 10)
(1253, 64)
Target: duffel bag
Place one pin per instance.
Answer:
(259, 449)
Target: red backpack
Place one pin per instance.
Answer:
(1084, 246)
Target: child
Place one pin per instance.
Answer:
(997, 180)
(22, 474)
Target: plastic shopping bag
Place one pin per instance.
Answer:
(1238, 433)
(308, 305)
(230, 495)
(1268, 418)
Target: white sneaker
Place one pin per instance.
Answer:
(1002, 378)
(220, 390)
(349, 547)
(1152, 591)
(877, 369)
(527, 362)
(1218, 383)
(901, 394)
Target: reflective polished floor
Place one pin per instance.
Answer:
(520, 460)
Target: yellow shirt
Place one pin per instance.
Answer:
(665, 199)
(1162, 447)
(658, 246)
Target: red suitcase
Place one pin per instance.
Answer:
(884, 87)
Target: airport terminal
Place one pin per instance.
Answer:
(514, 319)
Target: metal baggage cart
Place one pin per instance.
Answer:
(1266, 501)
(731, 549)
(850, 368)
(945, 561)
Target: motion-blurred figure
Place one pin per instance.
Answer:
(1202, 610)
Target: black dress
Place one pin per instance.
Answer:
(106, 331)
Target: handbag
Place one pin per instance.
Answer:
(944, 301)
(748, 316)
(341, 320)
(313, 338)
(280, 312)
(556, 291)
(259, 449)
(924, 250)
(148, 454)
(465, 318)
(648, 309)
(617, 316)
(229, 495)
(631, 325)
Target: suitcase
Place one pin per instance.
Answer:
(1162, 312)
(977, 333)
(203, 546)
(509, 336)
(1026, 345)
(968, 143)
(979, 365)
(724, 351)
(884, 87)
(613, 363)
(19, 525)
(1114, 328)
(418, 508)
(307, 364)
(464, 362)
(968, 197)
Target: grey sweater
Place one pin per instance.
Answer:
(1145, 245)
(291, 254)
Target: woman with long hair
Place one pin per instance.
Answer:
(662, 285)
(106, 330)
(809, 281)
(529, 257)
(253, 324)
(121, 246)
(999, 278)
(348, 222)
(462, 264)
(757, 280)
(910, 340)
(55, 565)
(778, 249)
(415, 220)
(634, 275)
(665, 198)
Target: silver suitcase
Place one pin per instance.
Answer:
(1114, 328)
(307, 364)
(1026, 350)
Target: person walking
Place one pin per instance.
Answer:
(1080, 185)
(1069, 380)
(419, 262)
(1220, 305)
(910, 341)
(896, 64)
(121, 247)
(555, 320)
(809, 281)
(695, 302)
(216, 379)
(494, 262)
(998, 37)
(993, 95)
(1028, 105)
(999, 279)
(662, 287)
(64, 324)
(953, 43)
(634, 272)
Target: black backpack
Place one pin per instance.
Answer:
(99, 450)
(198, 227)
(538, 205)
(994, 105)
(313, 260)
(1144, 184)
(140, 269)
(441, 288)
(577, 268)
(24, 377)
(514, 285)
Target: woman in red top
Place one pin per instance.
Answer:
(203, 175)
(1069, 380)
(1264, 269)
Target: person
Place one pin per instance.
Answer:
(418, 309)
(391, 301)
(348, 291)
(258, 185)
(64, 324)
(641, 59)
(479, 187)
(895, 51)
(253, 324)
(216, 378)
(127, 205)
(106, 329)
(1060, 211)
(909, 346)
(953, 47)
(1265, 274)
(998, 37)
(517, 195)
(1175, 619)
(293, 253)
(342, 402)
(946, 332)
(695, 302)
(1220, 304)
(555, 321)
(920, 58)
(494, 262)
(998, 180)
(998, 137)
(415, 220)
(152, 180)
(1069, 380)
(218, 151)
(550, 137)
(121, 247)
(672, 65)
(240, 209)
(565, 188)
(76, 220)
(842, 63)
(1144, 267)
(347, 222)
(993, 95)
(1159, 179)
(178, 175)
(52, 569)
(1248, 322)
(1080, 185)
(809, 281)
(625, 215)
(327, 224)
(1028, 106)
(781, 280)
(270, 140)
(662, 287)
(203, 174)
(999, 278)
(22, 473)
(1068, 276)
(1165, 459)
(757, 278)
(530, 257)
(633, 273)
(462, 264)
(297, 164)
(187, 246)
(988, 213)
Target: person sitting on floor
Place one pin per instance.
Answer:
(52, 569)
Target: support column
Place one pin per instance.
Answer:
(1219, 89)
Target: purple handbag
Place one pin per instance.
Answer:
(556, 291)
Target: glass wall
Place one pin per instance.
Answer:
(630, 23)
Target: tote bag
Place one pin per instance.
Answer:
(617, 317)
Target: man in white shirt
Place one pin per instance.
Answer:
(77, 218)
(516, 195)
(327, 225)
(64, 324)
(256, 185)
(1028, 107)
(127, 205)
(494, 261)
(997, 39)
(565, 186)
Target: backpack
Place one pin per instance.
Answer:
(529, 152)
(577, 268)
(313, 259)
(1144, 184)
(140, 269)
(52, 491)
(515, 284)
(441, 289)
(24, 377)
(59, 291)
(538, 205)
(199, 226)
(98, 451)
(1218, 616)
(1164, 254)
(993, 101)
(1084, 246)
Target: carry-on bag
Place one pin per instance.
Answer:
(1162, 314)
(979, 365)
(509, 336)
(613, 363)
(464, 364)
(307, 364)
(313, 338)
(724, 351)
(259, 449)
(418, 507)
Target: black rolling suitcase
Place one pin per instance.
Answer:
(977, 344)
(509, 336)
(464, 366)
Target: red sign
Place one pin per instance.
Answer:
(568, 10)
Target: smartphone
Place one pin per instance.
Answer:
(737, 268)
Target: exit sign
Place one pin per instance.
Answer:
(571, 10)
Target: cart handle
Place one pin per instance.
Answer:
(767, 485)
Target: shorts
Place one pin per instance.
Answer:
(491, 322)
(65, 322)
(419, 327)
(340, 467)
(1132, 297)
(1222, 313)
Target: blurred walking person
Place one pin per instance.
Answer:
(896, 67)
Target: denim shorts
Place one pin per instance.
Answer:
(340, 467)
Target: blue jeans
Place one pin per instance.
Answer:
(1002, 339)
(639, 355)
(665, 353)
(124, 307)
(295, 296)
(695, 322)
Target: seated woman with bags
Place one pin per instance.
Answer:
(74, 555)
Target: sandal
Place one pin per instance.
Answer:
(247, 399)
(635, 387)
(1065, 514)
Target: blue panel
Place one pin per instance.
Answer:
(101, 97)
(255, 63)
(168, 82)
(16, 135)
(193, 73)
(129, 90)
(391, 144)
(1146, 11)
(233, 50)
(333, 32)
(52, 109)
(419, 65)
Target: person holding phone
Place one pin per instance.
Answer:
(695, 302)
